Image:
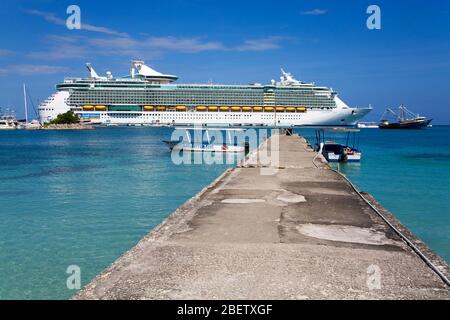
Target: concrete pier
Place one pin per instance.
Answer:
(299, 233)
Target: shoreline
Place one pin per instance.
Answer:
(66, 127)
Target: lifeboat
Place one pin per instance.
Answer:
(201, 108)
(161, 108)
(100, 107)
(257, 109)
(180, 108)
(247, 109)
(279, 109)
(268, 108)
(290, 109)
(213, 108)
(235, 108)
(224, 108)
(301, 109)
(88, 107)
(149, 108)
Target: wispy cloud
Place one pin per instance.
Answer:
(50, 17)
(145, 46)
(5, 52)
(264, 44)
(314, 12)
(31, 69)
(72, 47)
(61, 47)
(161, 44)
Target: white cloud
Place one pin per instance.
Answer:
(50, 17)
(314, 12)
(31, 69)
(121, 44)
(73, 47)
(264, 44)
(5, 52)
(126, 44)
(61, 47)
(182, 44)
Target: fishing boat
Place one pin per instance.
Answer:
(206, 145)
(339, 152)
(404, 119)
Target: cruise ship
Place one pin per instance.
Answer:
(148, 97)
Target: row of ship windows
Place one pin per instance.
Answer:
(200, 96)
(189, 94)
(196, 90)
(194, 98)
(198, 116)
(165, 94)
(287, 104)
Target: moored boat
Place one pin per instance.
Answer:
(206, 145)
(338, 152)
(8, 123)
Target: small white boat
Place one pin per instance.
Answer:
(8, 123)
(367, 125)
(8, 120)
(337, 152)
(32, 125)
(188, 146)
(175, 145)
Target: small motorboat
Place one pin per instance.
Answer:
(336, 152)
(187, 145)
(404, 119)
(339, 152)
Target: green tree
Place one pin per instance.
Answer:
(66, 118)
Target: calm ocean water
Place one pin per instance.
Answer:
(83, 198)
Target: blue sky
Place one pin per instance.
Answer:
(327, 42)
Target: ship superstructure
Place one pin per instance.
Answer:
(148, 97)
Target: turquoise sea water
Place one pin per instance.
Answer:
(82, 198)
(408, 172)
(85, 197)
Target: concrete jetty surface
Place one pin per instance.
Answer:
(298, 233)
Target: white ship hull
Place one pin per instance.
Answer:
(335, 117)
(339, 116)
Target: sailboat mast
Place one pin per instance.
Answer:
(25, 103)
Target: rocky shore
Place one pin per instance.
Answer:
(72, 126)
